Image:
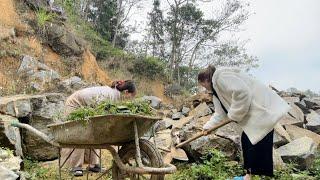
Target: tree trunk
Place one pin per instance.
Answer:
(117, 24)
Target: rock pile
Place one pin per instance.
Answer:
(296, 137)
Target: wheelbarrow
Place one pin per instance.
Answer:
(136, 158)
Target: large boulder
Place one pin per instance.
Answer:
(231, 131)
(313, 122)
(297, 132)
(296, 112)
(63, 41)
(155, 101)
(9, 164)
(202, 110)
(199, 147)
(303, 107)
(71, 84)
(300, 151)
(311, 104)
(288, 119)
(36, 72)
(278, 163)
(44, 110)
(291, 100)
(6, 174)
(10, 136)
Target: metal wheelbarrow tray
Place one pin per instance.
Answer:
(101, 132)
(107, 129)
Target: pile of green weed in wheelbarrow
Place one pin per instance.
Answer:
(107, 125)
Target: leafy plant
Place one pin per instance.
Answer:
(107, 107)
(215, 166)
(42, 16)
(35, 170)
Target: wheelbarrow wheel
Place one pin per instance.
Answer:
(150, 156)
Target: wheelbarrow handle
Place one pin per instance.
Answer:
(35, 132)
(204, 133)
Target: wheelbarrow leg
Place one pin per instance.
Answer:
(59, 156)
(136, 138)
(89, 164)
(100, 158)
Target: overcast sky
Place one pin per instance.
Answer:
(285, 36)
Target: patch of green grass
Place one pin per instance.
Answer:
(215, 167)
(35, 170)
(42, 17)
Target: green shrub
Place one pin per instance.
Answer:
(42, 17)
(315, 169)
(35, 170)
(149, 67)
(214, 167)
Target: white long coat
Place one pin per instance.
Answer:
(253, 105)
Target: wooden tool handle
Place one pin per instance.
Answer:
(223, 123)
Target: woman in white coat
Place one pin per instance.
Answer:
(254, 106)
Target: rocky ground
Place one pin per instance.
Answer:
(40, 67)
(296, 137)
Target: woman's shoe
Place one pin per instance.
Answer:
(238, 178)
(77, 171)
(95, 169)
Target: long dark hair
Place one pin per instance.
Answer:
(121, 85)
(206, 74)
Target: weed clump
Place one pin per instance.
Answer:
(108, 107)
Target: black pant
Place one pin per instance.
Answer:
(258, 158)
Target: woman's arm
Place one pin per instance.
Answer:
(240, 93)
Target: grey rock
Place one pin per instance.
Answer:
(74, 82)
(278, 163)
(12, 163)
(155, 101)
(291, 100)
(313, 122)
(301, 151)
(29, 65)
(297, 132)
(200, 111)
(168, 122)
(37, 4)
(17, 106)
(311, 104)
(6, 174)
(287, 119)
(46, 76)
(64, 42)
(177, 116)
(296, 112)
(160, 125)
(205, 143)
(45, 109)
(231, 131)
(303, 107)
(174, 110)
(279, 140)
(10, 136)
(185, 111)
(228, 142)
(36, 72)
